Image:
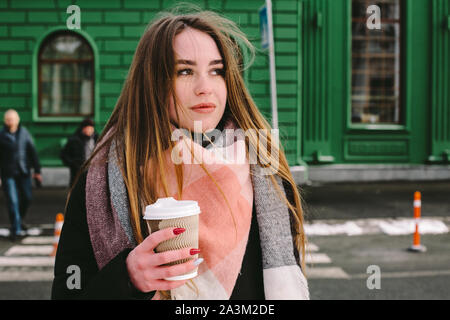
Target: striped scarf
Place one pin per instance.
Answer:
(223, 235)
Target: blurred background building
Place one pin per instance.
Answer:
(354, 103)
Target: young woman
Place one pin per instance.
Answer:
(185, 74)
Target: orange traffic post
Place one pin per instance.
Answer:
(416, 246)
(58, 227)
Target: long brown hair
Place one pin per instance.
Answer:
(140, 122)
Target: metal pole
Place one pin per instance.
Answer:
(273, 80)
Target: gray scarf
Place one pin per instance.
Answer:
(108, 209)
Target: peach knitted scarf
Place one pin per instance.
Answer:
(223, 233)
(223, 224)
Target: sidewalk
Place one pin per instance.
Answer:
(350, 201)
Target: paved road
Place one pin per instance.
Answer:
(403, 274)
(20, 279)
(337, 265)
(375, 200)
(337, 268)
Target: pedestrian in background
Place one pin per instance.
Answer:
(79, 147)
(17, 156)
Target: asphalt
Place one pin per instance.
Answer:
(374, 200)
(345, 201)
(404, 275)
(46, 203)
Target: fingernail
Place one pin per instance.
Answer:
(177, 231)
(194, 251)
(198, 261)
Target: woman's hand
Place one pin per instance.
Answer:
(144, 265)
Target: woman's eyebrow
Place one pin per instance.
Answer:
(192, 63)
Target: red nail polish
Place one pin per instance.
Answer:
(194, 251)
(177, 231)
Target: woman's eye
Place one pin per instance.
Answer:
(219, 72)
(184, 72)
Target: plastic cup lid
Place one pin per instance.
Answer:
(169, 208)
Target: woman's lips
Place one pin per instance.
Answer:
(204, 108)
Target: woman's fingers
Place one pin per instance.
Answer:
(154, 239)
(158, 259)
(145, 266)
(175, 270)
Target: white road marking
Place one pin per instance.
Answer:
(311, 247)
(398, 226)
(27, 261)
(4, 232)
(314, 258)
(407, 226)
(31, 275)
(44, 250)
(38, 240)
(326, 273)
(405, 274)
(34, 231)
(323, 229)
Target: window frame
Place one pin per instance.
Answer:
(405, 72)
(36, 79)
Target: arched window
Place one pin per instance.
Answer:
(65, 76)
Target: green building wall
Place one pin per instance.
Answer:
(115, 27)
(313, 73)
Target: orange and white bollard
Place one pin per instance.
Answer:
(58, 227)
(417, 247)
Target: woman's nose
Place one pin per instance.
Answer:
(203, 85)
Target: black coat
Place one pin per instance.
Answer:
(112, 281)
(73, 154)
(75, 249)
(17, 155)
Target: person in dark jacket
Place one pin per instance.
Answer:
(79, 147)
(17, 155)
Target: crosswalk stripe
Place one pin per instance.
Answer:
(317, 258)
(390, 226)
(311, 247)
(38, 240)
(44, 250)
(32, 275)
(326, 273)
(406, 274)
(27, 261)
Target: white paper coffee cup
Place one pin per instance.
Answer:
(171, 213)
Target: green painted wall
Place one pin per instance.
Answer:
(440, 65)
(115, 27)
(328, 135)
(313, 63)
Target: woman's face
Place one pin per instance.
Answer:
(199, 81)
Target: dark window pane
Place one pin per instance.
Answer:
(66, 46)
(66, 76)
(376, 64)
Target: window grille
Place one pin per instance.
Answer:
(66, 76)
(376, 63)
